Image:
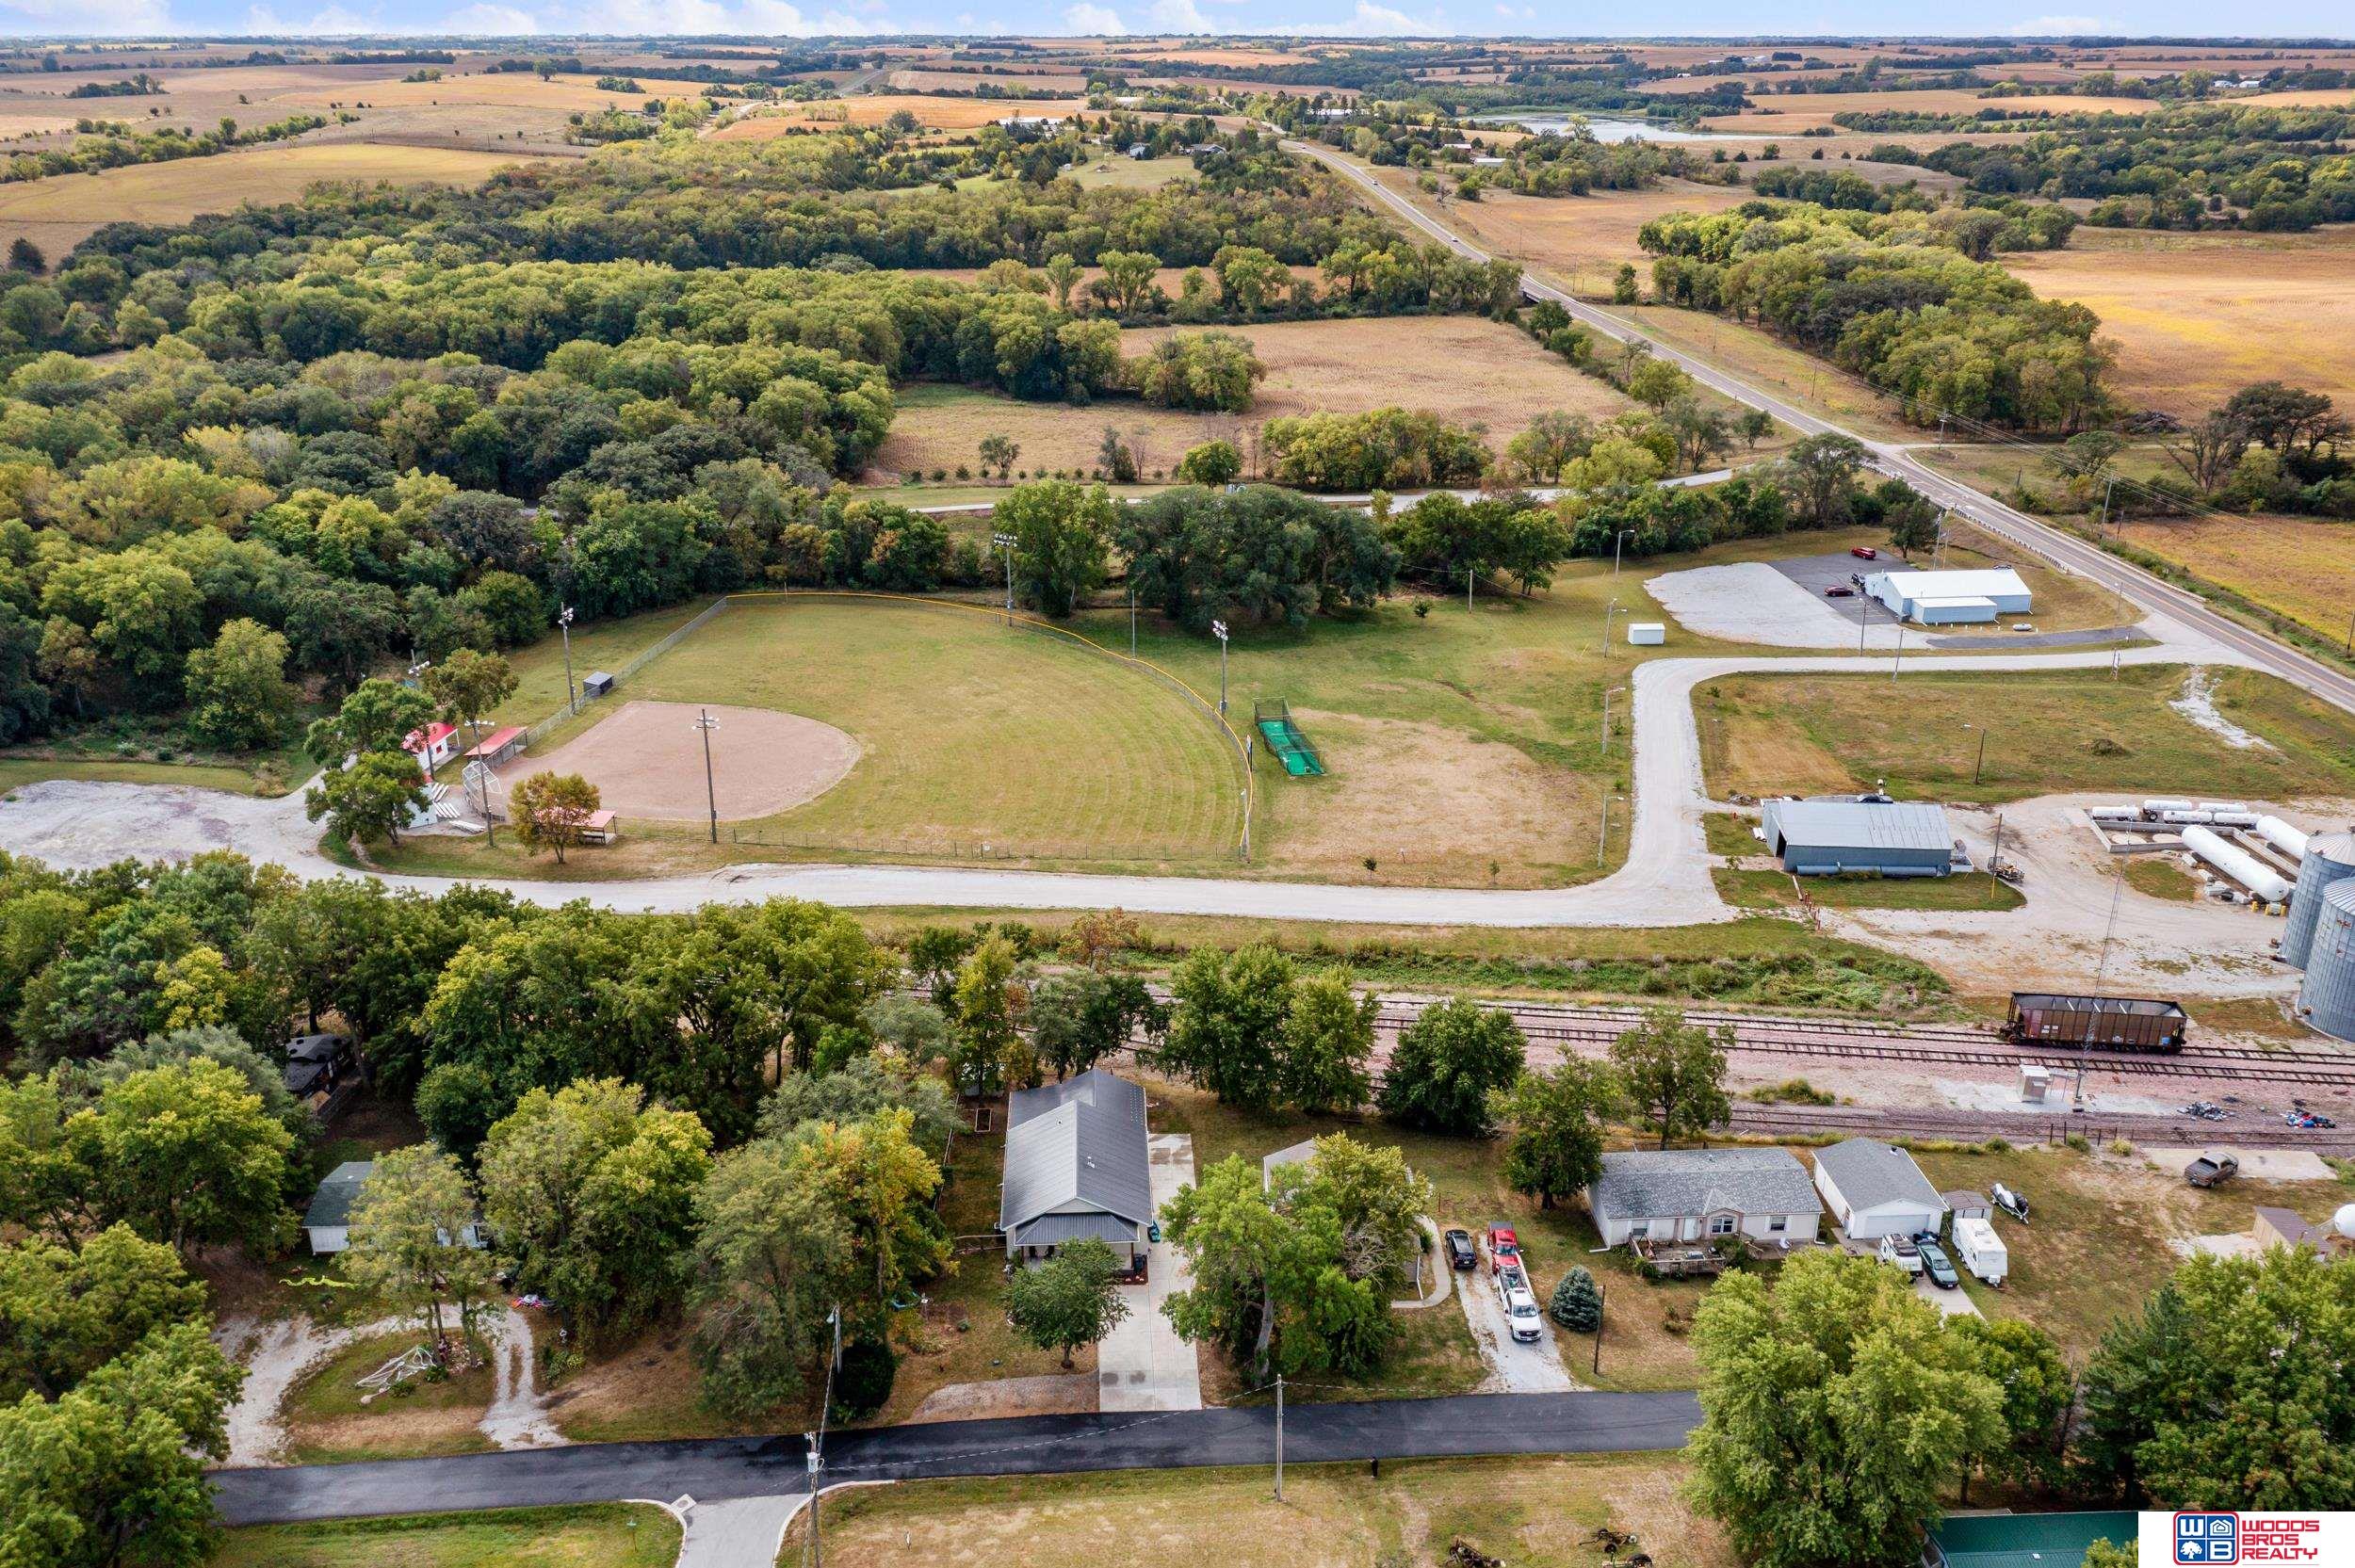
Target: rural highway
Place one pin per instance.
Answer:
(2062, 549)
(717, 1469)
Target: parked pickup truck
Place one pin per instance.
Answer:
(1520, 1303)
(2212, 1169)
(1901, 1250)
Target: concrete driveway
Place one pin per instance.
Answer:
(1142, 1364)
(1513, 1366)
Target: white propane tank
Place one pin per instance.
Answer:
(2223, 805)
(2182, 818)
(2289, 840)
(2155, 807)
(2236, 862)
(2343, 1222)
(2234, 818)
(2115, 813)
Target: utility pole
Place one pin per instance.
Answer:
(1898, 663)
(1279, 1437)
(1606, 717)
(1995, 857)
(1218, 630)
(1468, 589)
(1602, 835)
(1132, 621)
(1981, 763)
(818, 1442)
(712, 795)
(1601, 1299)
(2104, 527)
(1005, 548)
(1618, 541)
(564, 624)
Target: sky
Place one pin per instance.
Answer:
(1363, 18)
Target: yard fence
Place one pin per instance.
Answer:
(1209, 709)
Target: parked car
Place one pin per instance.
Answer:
(2212, 1169)
(1934, 1259)
(1864, 552)
(1901, 1251)
(1839, 590)
(1856, 580)
(1460, 1253)
(1505, 1248)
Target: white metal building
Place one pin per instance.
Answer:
(1872, 1190)
(1951, 598)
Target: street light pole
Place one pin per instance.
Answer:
(1601, 1299)
(712, 795)
(1618, 540)
(1602, 835)
(564, 624)
(1898, 663)
(1218, 630)
(1279, 1437)
(1606, 717)
(1608, 610)
(1005, 548)
(1981, 762)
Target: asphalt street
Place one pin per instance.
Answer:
(1465, 1426)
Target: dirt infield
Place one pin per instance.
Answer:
(646, 760)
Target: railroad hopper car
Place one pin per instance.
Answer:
(2097, 1023)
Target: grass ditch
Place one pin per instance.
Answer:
(587, 1535)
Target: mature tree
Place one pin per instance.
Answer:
(1755, 424)
(1227, 1026)
(876, 1175)
(592, 1190)
(2208, 449)
(2038, 1388)
(372, 799)
(1213, 464)
(264, 1073)
(1060, 531)
(1577, 1304)
(468, 684)
(2289, 420)
(1255, 554)
(1329, 1042)
(1674, 1072)
(460, 1102)
(1063, 273)
(1378, 1203)
(1656, 383)
(2228, 1389)
(1553, 1122)
(773, 1256)
(409, 1232)
(1912, 524)
(986, 1013)
(237, 689)
(909, 1027)
(1078, 1019)
(1701, 434)
(1447, 1065)
(1249, 279)
(1073, 1298)
(858, 1090)
(376, 717)
(552, 810)
(188, 1155)
(1820, 473)
(111, 1474)
(1553, 440)
(64, 1314)
(997, 453)
(1832, 1412)
(1128, 279)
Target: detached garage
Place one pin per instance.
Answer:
(1872, 1190)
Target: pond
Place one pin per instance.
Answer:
(1604, 129)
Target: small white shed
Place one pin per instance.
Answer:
(1872, 1189)
(1647, 634)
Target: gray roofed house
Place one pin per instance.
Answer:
(1688, 1194)
(326, 1223)
(1078, 1164)
(1874, 1189)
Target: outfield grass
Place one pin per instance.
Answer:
(1526, 1510)
(586, 1535)
(2049, 732)
(1971, 890)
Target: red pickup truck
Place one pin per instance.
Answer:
(1505, 1248)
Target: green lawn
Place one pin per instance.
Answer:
(1730, 834)
(329, 1420)
(2047, 731)
(589, 1535)
(2160, 877)
(1972, 890)
(162, 758)
(1119, 171)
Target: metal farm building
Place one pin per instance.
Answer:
(1891, 837)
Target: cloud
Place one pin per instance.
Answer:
(1181, 16)
(93, 18)
(1517, 13)
(776, 18)
(1093, 20)
(2062, 26)
(1382, 21)
(496, 20)
(327, 22)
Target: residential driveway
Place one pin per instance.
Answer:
(1513, 1366)
(1142, 1364)
(1950, 1303)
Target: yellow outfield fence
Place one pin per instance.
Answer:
(638, 662)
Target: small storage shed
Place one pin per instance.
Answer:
(326, 1223)
(1872, 1189)
(1647, 634)
(2281, 1227)
(1896, 838)
(1963, 1204)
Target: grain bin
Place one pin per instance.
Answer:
(2327, 1000)
(2328, 858)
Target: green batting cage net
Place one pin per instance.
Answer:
(1284, 738)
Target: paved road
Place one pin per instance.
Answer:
(1466, 1424)
(2062, 548)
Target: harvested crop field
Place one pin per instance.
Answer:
(2197, 317)
(1791, 113)
(58, 213)
(2293, 566)
(1579, 240)
(1465, 368)
(647, 760)
(945, 114)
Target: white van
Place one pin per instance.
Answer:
(1978, 1249)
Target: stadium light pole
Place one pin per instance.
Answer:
(1218, 630)
(1005, 548)
(712, 795)
(564, 624)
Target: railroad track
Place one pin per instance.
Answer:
(1965, 1127)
